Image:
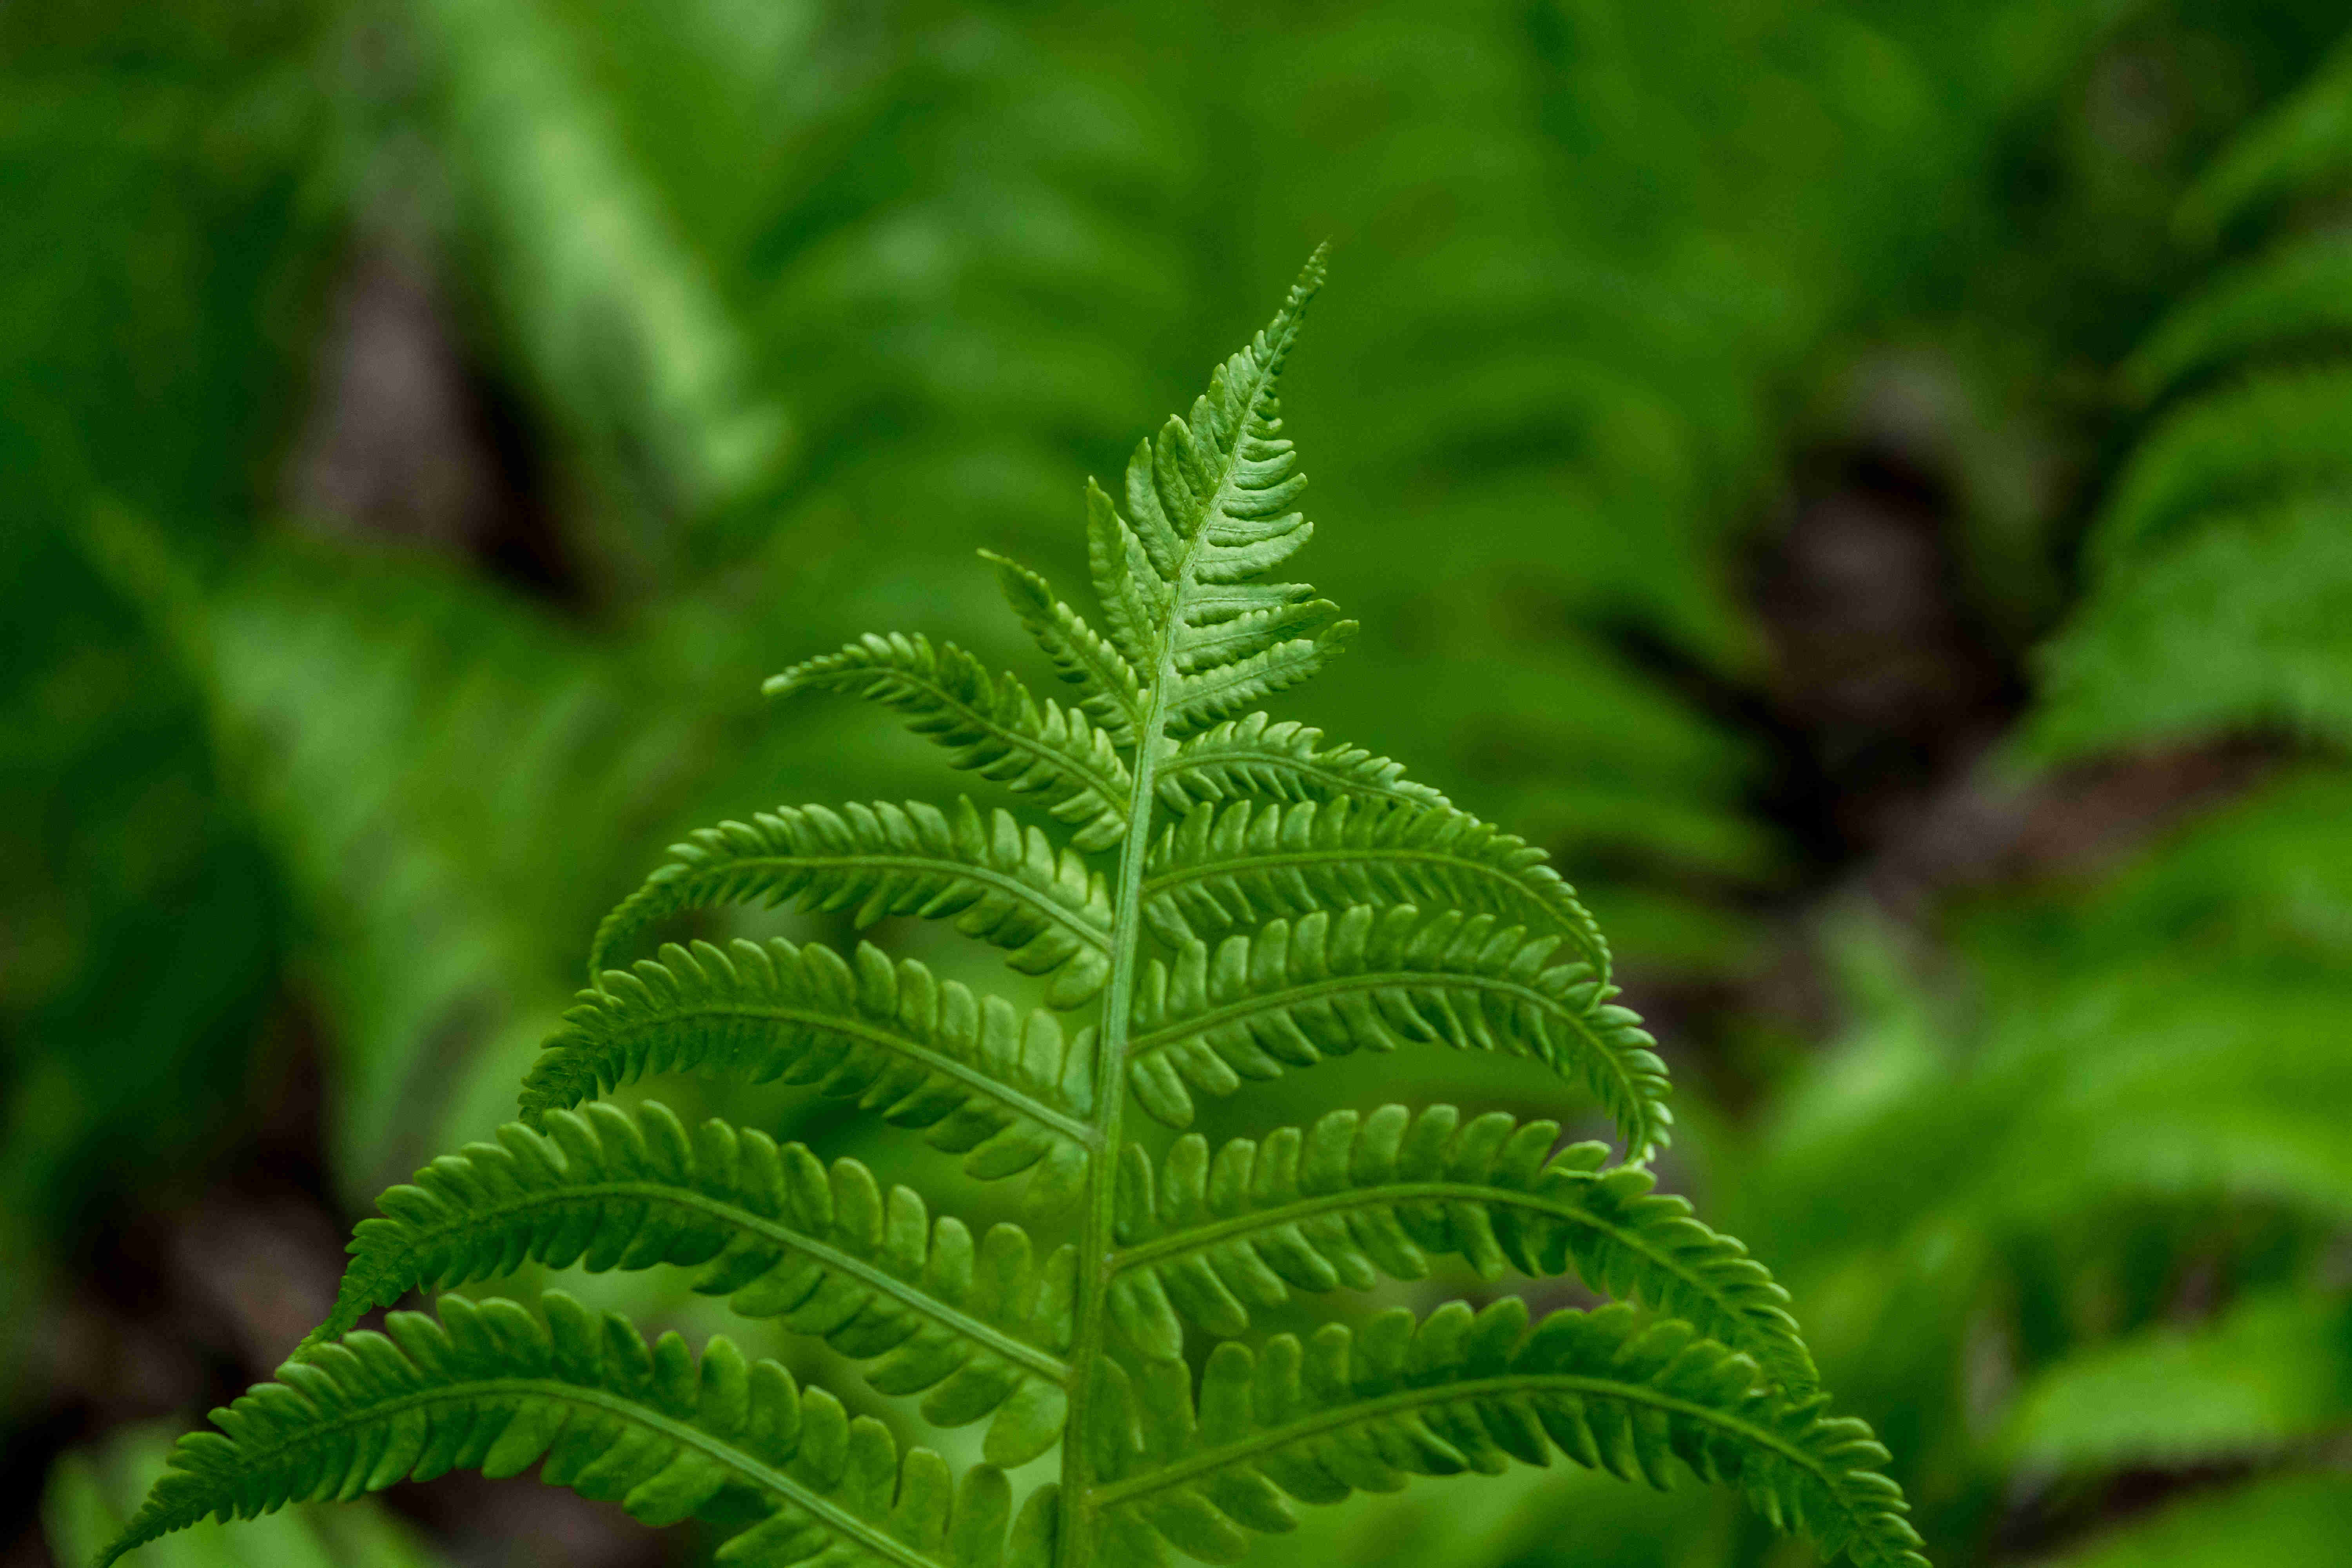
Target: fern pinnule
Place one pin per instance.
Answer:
(1207, 1237)
(1276, 899)
(980, 1325)
(1005, 1091)
(2258, 441)
(1006, 884)
(1114, 695)
(989, 723)
(2297, 147)
(669, 1437)
(1458, 1391)
(1220, 870)
(1293, 993)
(2296, 295)
(1257, 756)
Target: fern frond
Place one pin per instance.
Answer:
(1114, 695)
(1316, 902)
(984, 1328)
(2301, 291)
(2245, 445)
(1007, 886)
(1257, 756)
(1215, 870)
(1352, 1198)
(989, 723)
(1007, 1092)
(669, 1437)
(2237, 626)
(2273, 1370)
(1460, 1391)
(2279, 1519)
(1295, 992)
(2298, 145)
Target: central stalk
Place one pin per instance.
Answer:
(1079, 1526)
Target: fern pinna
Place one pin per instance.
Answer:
(1275, 899)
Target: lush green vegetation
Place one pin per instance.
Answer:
(1861, 485)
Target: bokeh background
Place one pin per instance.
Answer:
(1861, 481)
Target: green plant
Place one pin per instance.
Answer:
(1306, 901)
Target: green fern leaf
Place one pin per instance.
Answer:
(1256, 756)
(981, 1327)
(1113, 696)
(1293, 993)
(2273, 1371)
(490, 1388)
(2255, 442)
(988, 723)
(1005, 885)
(2302, 291)
(2297, 146)
(1216, 871)
(1008, 1093)
(1461, 1392)
(1352, 1198)
(1211, 687)
(2237, 626)
(2277, 1518)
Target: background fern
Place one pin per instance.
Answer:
(1666, 340)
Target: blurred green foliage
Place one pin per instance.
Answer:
(756, 314)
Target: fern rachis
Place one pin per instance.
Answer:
(1275, 900)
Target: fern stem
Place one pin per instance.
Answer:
(1075, 1548)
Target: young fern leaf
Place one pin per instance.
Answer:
(1005, 884)
(1302, 899)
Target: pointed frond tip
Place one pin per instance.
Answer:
(1000, 881)
(1009, 1093)
(1366, 978)
(668, 1436)
(1209, 509)
(982, 1328)
(1208, 1239)
(1463, 1392)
